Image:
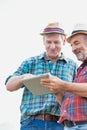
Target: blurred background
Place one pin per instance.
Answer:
(21, 22)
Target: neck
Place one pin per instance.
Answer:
(53, 59)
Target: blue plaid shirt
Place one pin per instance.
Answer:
(64, 68)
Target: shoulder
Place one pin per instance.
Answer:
(69, 60)
(34, 58)
(72, 62)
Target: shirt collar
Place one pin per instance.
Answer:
(83, 64)
(62, 58)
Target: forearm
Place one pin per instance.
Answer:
(79, 89)
(14, 83)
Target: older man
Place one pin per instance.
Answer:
(74, 101)
(42, 112)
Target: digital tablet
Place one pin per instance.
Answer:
(33, 84)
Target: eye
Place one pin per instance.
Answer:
(48, 42)
(57, 42)
(75, 43)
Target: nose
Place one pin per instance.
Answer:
(73, 48)
(52, 45)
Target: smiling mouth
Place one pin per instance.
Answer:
(77, 52)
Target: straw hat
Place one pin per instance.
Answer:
(53, 28)
(78, 29)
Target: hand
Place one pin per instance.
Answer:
(53, 83)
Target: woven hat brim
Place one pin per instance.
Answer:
(69, 38)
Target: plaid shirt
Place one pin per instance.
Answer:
(74, 107)
(63, 68)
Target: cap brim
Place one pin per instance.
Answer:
(69, 38)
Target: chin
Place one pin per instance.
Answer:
(80, 58)
(53, 57)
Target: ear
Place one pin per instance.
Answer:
(44, 43)
(64, 41)
(43, 40)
